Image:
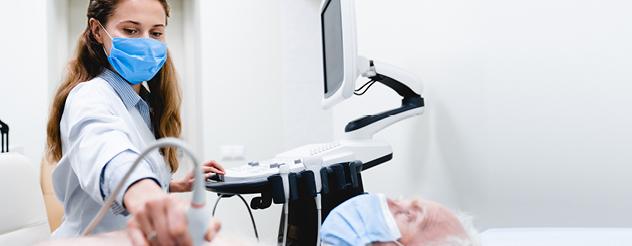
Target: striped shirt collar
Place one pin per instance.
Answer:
(127, 94)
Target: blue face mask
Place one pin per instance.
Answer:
(359, 221)
(136, 59)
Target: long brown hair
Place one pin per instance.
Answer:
(90, 60)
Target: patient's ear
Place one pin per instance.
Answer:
(389, 201)
(392, 204)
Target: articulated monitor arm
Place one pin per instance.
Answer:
(394, 78)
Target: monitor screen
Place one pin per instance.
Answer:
(331, 21)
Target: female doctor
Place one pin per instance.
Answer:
(102, 116)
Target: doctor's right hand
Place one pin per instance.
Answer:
(157, 218)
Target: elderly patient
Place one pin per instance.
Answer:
(369, 219)
(373, 219)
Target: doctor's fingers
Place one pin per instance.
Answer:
(213, 229)
(214, 164)
(157, 211)
(207, 170)
(207, 174)
(135, 234)
(177, 220)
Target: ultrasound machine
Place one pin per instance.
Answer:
(313, 179)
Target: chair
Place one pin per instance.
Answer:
(54, 208)
(22, 217)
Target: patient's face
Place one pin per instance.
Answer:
(422, 222)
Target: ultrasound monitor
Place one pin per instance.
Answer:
(339, 50)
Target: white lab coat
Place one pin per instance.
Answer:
(95, 127)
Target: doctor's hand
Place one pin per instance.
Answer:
(158, 218)
(186, 184)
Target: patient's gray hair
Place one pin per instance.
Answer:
(471, 238)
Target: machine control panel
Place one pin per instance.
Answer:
(260, 170)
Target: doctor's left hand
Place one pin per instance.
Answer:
(186, 184)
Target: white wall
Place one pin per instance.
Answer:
(60, 20)
(241, 76)
(528, 113)
(305, 121)
(241, 93)
(261, 89)
(24, 84)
